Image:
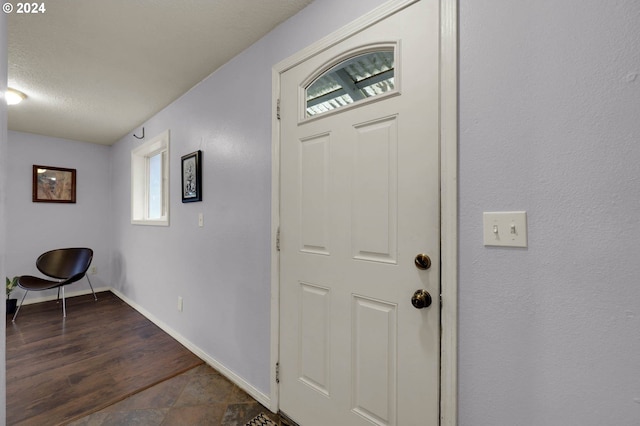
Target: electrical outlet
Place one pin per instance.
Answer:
(180, 303)
(93, 270)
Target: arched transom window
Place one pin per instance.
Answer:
(361, 77)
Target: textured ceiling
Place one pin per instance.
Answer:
(94, 70)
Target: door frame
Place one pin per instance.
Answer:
(448, 193)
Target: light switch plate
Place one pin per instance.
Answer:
(505, 229)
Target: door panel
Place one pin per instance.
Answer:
(374, 359)
(375, 191)
(314, 338)
(314, 198)
(359, 200)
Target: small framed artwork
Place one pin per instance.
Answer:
(53, 185)
(192, 177)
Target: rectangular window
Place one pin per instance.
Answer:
(150, 182)
(154, 178)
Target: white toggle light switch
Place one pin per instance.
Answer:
(200, 220)
(505, 229)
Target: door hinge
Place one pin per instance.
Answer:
(278, 239)
(278, 109)
(277, 372)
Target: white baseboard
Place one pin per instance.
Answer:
(259, 396)
(67, 294)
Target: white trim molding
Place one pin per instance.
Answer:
(140, 180)
(275, 229)
(68, 295)
(449, 211)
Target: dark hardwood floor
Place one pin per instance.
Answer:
(59, 370)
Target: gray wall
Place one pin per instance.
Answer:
(37, 227)
(550, 124)
(221, 271)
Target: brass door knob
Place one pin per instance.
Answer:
(421, 299)
(422, 261)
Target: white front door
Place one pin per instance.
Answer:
(359, 201)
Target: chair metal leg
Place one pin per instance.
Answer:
(94, 293)
(18, 310)
(64, 305)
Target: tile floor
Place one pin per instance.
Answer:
(200, 396)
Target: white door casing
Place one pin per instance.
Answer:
(359, 198)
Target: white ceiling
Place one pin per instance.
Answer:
(94, 70)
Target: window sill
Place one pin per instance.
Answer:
(150, 222)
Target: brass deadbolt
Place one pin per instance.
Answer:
(423, 261)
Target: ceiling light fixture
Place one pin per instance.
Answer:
(14, 96)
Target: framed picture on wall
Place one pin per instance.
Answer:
(192, 177)
(53, 185)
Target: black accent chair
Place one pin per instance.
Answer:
(66, 266)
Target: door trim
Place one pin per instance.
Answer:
(448, 192)
(449, 212)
